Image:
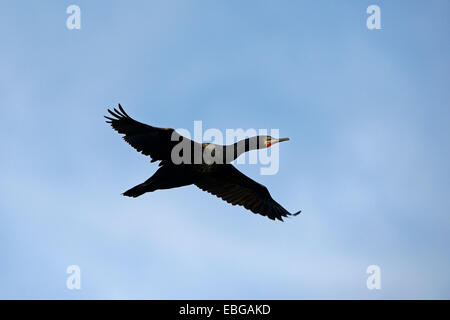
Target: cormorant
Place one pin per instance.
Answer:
(219, 178)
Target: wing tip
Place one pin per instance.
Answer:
(289, 215)
(123, 111)
(118, 114)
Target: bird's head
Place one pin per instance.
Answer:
(268, 141)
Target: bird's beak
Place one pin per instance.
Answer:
(275, 141)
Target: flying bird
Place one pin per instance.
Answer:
(219, 178)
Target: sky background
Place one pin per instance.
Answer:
(368, 161)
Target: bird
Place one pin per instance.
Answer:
(218, 177)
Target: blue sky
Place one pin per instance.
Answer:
(367, 113)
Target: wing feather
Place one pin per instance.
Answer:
(150, 141)
(231, 185)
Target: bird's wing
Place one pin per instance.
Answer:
(228, 183)
(150, 141)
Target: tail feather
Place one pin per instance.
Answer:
(137, 191)
(166, 177)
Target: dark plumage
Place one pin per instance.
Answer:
(221, 179)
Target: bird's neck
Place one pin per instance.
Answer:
(233, 151)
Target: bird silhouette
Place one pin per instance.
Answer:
(214, 174)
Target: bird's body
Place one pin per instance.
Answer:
(184, 162)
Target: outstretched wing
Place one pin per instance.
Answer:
(150, 141)
(228, 183)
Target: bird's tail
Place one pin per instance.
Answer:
(138, 190)
(166, 177)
